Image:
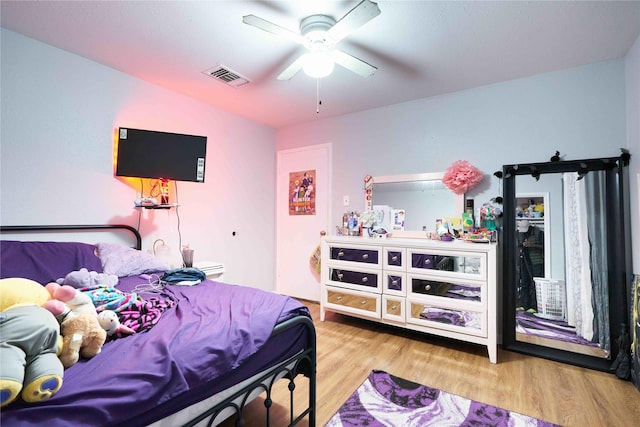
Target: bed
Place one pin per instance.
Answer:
(214, 347)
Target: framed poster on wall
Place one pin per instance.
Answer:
(302, 193)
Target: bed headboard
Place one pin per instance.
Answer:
(52, 229)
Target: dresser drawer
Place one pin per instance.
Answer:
(360, 303)
(446, 263)
(369, 280)
(429, 287)
(457, 319)
(358, 255)
(393, 308)
(460, 291)
(430, 262)
(394, 283)
(394, 259)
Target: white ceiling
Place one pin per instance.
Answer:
(421, 48)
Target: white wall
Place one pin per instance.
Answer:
(578, 111)
(59, 113)
(632, 73)
(58, 122)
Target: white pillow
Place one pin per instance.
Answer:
(124, 261)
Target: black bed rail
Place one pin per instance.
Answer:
(303, 363)
(34, 228)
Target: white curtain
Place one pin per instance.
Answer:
(577, 256)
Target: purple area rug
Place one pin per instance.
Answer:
(386, 400)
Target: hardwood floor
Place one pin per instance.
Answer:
(348, 349)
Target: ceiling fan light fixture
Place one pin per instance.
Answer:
(321, 33)
(318, 64)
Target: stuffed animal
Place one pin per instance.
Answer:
(84, 278)
(30, 339)
(110, 322)
(81, 332)
(66, 299)
(82, 336)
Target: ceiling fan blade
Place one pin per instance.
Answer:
(270, 27)
(352, 63)
(293, 69)
(364, 12)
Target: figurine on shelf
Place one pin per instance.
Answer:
(488, 215)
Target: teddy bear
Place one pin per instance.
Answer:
(81, 331)
(84, 278)
(82, 336)
(30, 337)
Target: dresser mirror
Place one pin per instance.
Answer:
(423, 198)
(567, 301)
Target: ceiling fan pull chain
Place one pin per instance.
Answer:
(318, 101)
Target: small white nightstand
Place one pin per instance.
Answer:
(213, 270)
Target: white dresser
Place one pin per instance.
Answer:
(442, 288)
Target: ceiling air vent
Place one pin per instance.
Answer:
(226, 76)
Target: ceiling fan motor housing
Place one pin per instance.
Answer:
(315, 29)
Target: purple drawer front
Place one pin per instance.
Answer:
(424, 261)
(356, 255)
(429, 287)
(394, 258)
(430, 262)
(354, 277)
(394, 282)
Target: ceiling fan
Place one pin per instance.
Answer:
(319, 34)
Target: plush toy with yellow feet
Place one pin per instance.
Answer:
(29, 341)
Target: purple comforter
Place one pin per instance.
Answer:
(212, 338)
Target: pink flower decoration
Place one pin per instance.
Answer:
(461, 177)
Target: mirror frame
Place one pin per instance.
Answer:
(619, 259)
(416, 177)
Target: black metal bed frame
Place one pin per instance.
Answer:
(302, 363)
(52, 228)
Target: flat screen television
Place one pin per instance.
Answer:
(160, 155)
